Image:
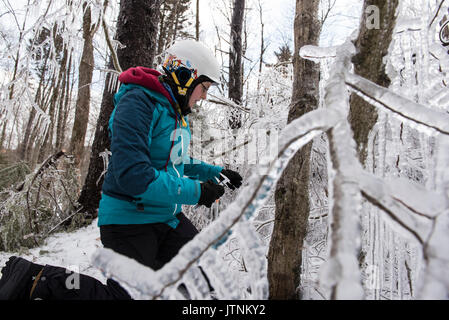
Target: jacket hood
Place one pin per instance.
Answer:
(146, 77)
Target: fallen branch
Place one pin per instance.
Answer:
(47, 163)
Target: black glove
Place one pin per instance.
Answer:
(235, 179)
(209, 193)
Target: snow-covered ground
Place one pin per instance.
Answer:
(69, 250)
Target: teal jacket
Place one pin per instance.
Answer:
(150, 175)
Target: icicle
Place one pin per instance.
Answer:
(391, 251)
(223, 281)
(196, 284)
(381, 260)
(253, 249)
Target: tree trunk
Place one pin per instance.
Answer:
(292, 190)
(372, 46)
(197, 21)
(86, 69)
(62, 106)
(162, 28)
(47, 146)
(26, 138)
(137, 30)
(66, 108)
(235, 61)
(172, 23)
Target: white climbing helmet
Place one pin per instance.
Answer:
(194, 56)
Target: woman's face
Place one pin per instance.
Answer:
(200, 92)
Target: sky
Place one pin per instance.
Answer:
(278, 19)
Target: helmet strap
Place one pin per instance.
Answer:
(181, 100)
(181, 90)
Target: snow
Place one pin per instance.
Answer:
(69, 250)
(390, 196)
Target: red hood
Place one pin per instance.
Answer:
(146, 77)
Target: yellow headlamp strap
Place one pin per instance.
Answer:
(182, 91)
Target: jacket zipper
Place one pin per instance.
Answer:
(179, 176)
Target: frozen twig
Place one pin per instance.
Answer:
(341, 272)
(111, 47)
(47, 163)
(227, 102)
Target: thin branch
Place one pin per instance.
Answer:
(111, 47)
(260, 226)
(437, 13)
(50, 161)
(393, 216)
(219, 155)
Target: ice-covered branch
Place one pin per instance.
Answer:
(315, 53)
(435, 283)
(127, 271)
(410, 24)
(341, 272)
(111, 47)
(408, 109)
(411, 195)
(408, 204)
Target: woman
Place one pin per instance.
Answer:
(149, 178)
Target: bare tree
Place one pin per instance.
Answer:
(57, 95)
(235, 60)
(292, 190)
(137, 31)
(86, 69)
(372, 46)
(16, 63)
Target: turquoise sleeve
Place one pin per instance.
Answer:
(200, 170)
(170, 189)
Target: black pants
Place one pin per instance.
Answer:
(152, 245)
